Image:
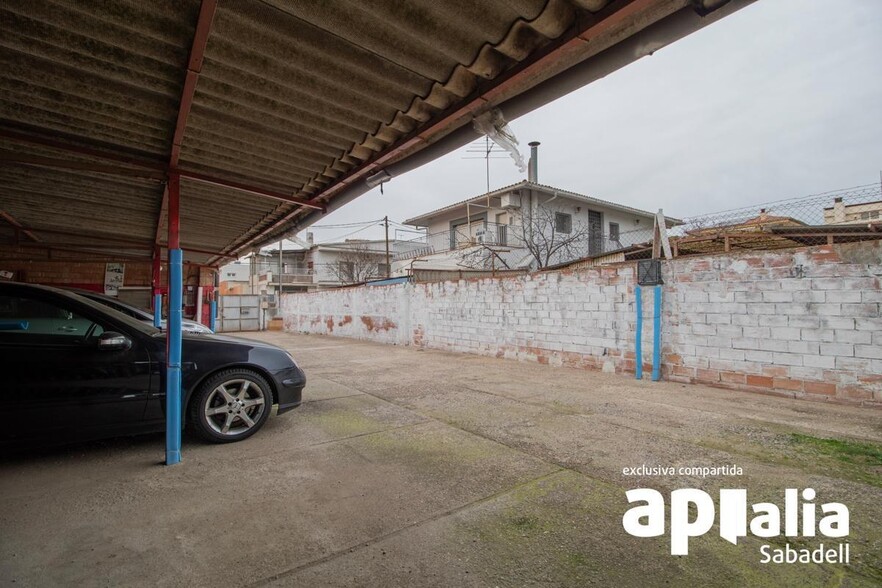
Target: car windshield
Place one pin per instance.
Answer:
(117, 315)
(138, 313)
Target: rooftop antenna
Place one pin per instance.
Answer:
(485, 149)
(481, 149)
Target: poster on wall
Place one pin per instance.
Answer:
(114, 274)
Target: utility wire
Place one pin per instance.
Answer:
(344, 225)
(375, 223)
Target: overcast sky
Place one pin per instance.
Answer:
(781, 99)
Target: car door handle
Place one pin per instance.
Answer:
(68, 329)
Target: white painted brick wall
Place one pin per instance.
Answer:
(746, 320)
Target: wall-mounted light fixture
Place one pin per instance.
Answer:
(378, 178)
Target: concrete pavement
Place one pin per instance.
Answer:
(422, 468)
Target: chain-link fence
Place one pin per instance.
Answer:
(831, 217)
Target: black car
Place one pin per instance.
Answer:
(74, 368)
(187, 326)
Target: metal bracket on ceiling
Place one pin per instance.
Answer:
(378, 179)
(705, 7)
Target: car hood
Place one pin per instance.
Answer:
(216, 339)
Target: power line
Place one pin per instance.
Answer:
(374, 223)
(344, 225)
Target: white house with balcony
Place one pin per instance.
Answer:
(504, 228)
(303, 266)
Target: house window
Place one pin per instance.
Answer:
(382, 270)
(614, 232)
(347, 270)
(563, 222)
(502, 234)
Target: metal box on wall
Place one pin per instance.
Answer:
(649, 272)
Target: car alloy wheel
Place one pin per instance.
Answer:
(234, 406)
(231, 405)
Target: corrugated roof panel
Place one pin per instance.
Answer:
(110, 71)
(325, 77)
(291, 96)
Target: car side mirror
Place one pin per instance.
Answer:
(111, 341)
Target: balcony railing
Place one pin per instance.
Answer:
(298, 277)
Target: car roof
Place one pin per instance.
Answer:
(21, 288)
(97, 296)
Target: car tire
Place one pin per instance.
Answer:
(231, 406)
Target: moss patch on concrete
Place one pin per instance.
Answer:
(862, 461)
(344, 422)
(856, 461)
(430, 451)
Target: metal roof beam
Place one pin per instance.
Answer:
(485, 96)
(18, 226)
(140, 168)
(102, 237)
(194, 68)
(110, 242)
(214, 181)
(519, 90)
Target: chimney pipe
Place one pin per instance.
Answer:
(533, 167)
(838, 211)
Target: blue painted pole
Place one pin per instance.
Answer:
(157, 310)
(638, 345)
(173, 397)
(173, 373)
(212, 315)
(656, 334)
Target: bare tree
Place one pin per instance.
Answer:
(552, 236)
(546, 237)
(484, 257)
(358, 264)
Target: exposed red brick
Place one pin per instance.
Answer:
(825, 255)
(787, 384)
(776, 371)
(679, 370)
(820, 388)
(779, 261)
(732, 377)
(703, 375)
(760, 381)
(383, 325)
(855, 393)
